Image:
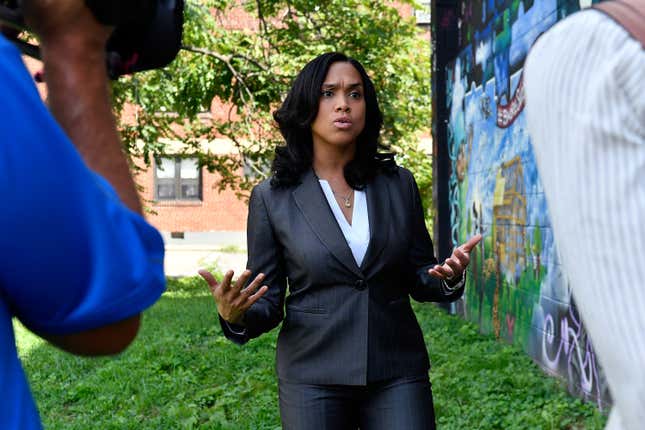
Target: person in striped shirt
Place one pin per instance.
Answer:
(585, 106)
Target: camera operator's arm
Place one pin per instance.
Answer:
(72, 47)
(106, 340)
(73, 52)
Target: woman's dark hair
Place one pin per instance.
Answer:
(298, 112)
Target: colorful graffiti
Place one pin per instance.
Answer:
(564, 340)
(516, 289)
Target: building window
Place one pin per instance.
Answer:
(178, 178)
(423, 14)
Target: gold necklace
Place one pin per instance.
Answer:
(346, 199)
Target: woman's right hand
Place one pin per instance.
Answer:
(233, 301)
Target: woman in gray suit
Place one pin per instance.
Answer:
(342, 228)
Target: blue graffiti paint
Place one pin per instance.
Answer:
(517, 290)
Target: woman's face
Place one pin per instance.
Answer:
(341, 109)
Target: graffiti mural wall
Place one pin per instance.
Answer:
(516, 289)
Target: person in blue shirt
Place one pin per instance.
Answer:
(78, 263)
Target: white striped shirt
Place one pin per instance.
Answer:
(585, 91)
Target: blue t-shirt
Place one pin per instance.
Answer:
(72, 256)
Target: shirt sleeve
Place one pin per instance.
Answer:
(72, 256)
(449, 288)
(585, 112)
(234, 332)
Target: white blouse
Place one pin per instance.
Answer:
(357, 234)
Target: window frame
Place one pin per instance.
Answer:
(423, 15)
(177, 180)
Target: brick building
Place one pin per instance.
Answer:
(184, 201)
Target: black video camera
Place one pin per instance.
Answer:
(147, 33)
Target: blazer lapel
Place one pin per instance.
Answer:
(378, 206)
(313, 204)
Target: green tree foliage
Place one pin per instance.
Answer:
(250, 71)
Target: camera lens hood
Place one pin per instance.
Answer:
(147, 33)
(148, 40)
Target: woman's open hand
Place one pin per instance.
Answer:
(455, 266)
(233, 301)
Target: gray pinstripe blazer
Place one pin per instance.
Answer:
(343, 324)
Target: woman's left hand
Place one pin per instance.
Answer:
(455, 266)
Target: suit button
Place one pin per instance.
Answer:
(360, 284)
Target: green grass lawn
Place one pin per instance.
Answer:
(181, 373)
